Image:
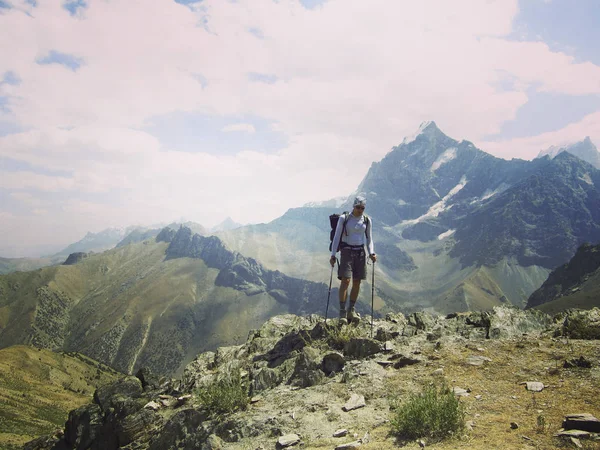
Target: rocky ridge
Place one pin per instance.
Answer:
(319, 386)
(241, 273)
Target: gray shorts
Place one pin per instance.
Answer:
(353, 263)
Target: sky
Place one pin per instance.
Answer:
(124, 112)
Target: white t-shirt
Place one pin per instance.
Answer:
(355, 234)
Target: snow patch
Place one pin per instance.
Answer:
(401, 202)
(446, 234)
(587, 179)
(440, 206)
(445, 157)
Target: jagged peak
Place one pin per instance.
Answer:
(427, 128)
(585, 150)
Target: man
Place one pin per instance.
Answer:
(353, 231)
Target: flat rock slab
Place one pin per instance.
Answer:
(478, 360)
(584, 422)
(354, 444)
(574, 433)
(356, 401)
(340, 433)
(288, 440)
(534, 386)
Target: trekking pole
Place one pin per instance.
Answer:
(329, 293)
(372, 297)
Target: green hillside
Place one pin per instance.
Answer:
(131, 306)
(38, 388)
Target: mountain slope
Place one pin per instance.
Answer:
(154, 304)
(541, 220)
(575, 284)
(38, 388)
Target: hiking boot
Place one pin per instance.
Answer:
(353, 316)
(343, 320)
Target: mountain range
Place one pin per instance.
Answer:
(455, 228)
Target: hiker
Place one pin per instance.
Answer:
(355, 230)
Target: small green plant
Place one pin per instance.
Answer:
(435, 414)
(541, 424)
(337, 337)
(224, 395)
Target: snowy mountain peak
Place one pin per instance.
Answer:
(426, 128)
(585, 150)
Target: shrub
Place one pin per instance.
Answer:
(337, 337)
(435, 413)
(224, 395)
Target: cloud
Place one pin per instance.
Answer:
(245, 127)
(343, 82)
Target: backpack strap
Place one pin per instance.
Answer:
(346, 217)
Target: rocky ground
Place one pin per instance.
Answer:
(517, 373)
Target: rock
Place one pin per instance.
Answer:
(385, 363)
(356, 401)
(478, 360)
(460, 392)
(534, 386)
(148, 379)
(514, 425)
(388, 346)
(354, 444)
(576, 442)
(266, 378)
(438, 373)
(584, 422)
(403, 361)
(581, 324)
(127, 387)
(340, 433)
(83, 426)
(152, 405)
(507, 322)
(578, 362)
(308, 368)
(333, 362)
(422, 320)
(213, 442)
(574, 433)
(288, 440)
(42, 443)
(134, 426)
(185, 428)
(362, 347)
(366, 438)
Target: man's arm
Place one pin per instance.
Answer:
(338, 235)
(370, 239)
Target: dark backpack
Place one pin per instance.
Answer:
(333, 221)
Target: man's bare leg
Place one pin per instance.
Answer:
(343, 295)
(352, 314)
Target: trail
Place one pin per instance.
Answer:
(146, 333)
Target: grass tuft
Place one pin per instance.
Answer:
(434, 414)
(224, 395)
